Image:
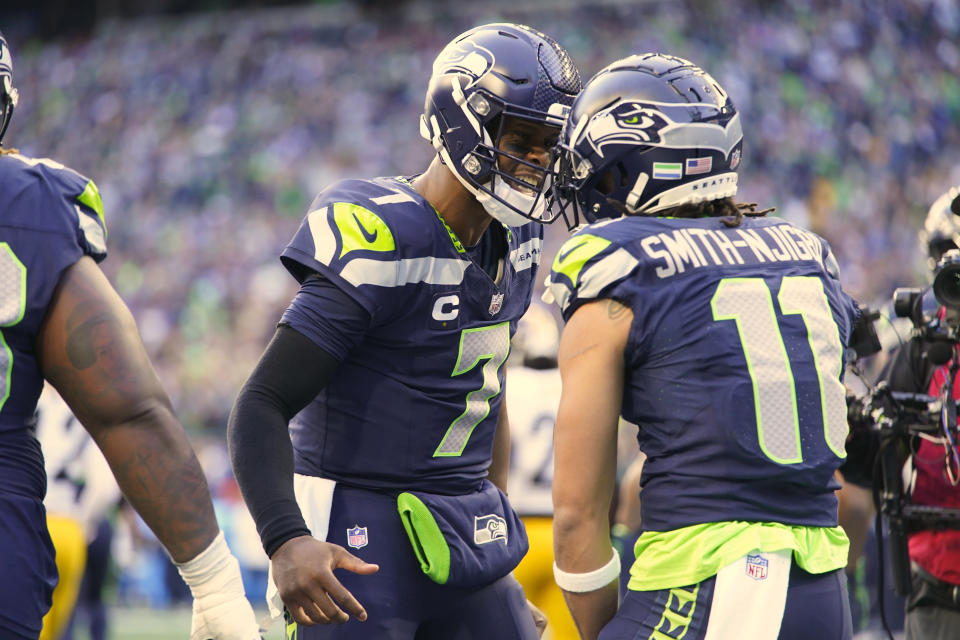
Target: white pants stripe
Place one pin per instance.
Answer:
(757, 583)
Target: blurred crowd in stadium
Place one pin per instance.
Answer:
(208, 135)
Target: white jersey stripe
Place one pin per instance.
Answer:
(393, 198)
(324, 240)
(610, 269)
(396, 273)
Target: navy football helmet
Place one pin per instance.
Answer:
(484, 77)
(8, 93)
(648, 132)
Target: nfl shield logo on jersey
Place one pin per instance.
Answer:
(357, 537)
(489, 528)
(757, 567)
(496, 302)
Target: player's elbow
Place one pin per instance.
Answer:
(575, 519)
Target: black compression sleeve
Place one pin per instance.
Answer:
(291, 372)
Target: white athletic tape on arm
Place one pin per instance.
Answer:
(214, 570)
(589, 581)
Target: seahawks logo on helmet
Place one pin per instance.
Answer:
(465, 57)
(627, 122)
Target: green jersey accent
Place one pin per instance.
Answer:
(428, 543)
(453, 237)
(361, 228)
(575, 253)
(13, 305)
(91, 198)
(677, 613)
(668, 559)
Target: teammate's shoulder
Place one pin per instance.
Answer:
(589, 244)
(40, 193)
(382, 196)
(779, 223)
(14, 165)
(590, 261)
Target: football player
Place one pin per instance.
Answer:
(62, 321)
(388, 366)
(721, 334)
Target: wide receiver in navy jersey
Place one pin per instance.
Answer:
(721, 334)
(386, 372)
(61, 320)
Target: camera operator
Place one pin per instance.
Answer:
(930, 473)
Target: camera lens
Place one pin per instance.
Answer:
(905, 301)
(946, 285)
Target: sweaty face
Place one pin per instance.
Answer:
(525, 147)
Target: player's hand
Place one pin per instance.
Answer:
(220, 609)
(303, 572)
(226, 616)
(539, 618)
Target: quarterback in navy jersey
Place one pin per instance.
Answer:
(721, 334)
(61, 320)
(374, 418)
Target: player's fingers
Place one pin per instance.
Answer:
(328, 592)
(342, 596)
(331, 612)
(309, 613)
(346, 560)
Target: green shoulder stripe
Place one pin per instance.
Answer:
(575, 253)
(91, 198)
(361, 228)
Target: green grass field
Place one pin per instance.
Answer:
(141, 623)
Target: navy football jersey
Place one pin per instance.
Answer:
(414, 404)
(734, 362)
(50, 216)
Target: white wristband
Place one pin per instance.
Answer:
(589, 581)
(213, 570)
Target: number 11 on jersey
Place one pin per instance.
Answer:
(749, 303)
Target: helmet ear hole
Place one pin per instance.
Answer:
(623, 174)
(606, 183)
(613, 178)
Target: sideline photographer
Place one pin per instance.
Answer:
(914, 412)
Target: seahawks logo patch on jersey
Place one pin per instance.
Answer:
(489, 528)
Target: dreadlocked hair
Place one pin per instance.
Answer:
(730, 213)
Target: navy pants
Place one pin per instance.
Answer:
(27, 565)
(401, 602)
(816, 607)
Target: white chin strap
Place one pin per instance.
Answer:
(501, 212)
(535, 205)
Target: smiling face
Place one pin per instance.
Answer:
(525, 147)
